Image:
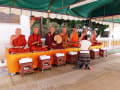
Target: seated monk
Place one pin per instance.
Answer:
(50, 42)
(93, 39)
(18, 43)
(64, 36)
(34, 41)
(83, 34)
(74, 38)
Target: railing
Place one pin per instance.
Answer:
(110, 43)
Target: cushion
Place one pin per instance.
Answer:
(44, 57)
(84, 52)
(60, 54)
(95, 50)
(25, 60)
(72, 53)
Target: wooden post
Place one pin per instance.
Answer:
(13, 4)
(112, 30)
(48, 20)
(41, 25)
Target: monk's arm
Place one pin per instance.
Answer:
(24, 41)
(77, 38)
(47, 41)
(82, 36)
(89, 48)
(92, 40)
(30, 41)
(67, 38)
(11, 41)
(79, 45)
(40, 41)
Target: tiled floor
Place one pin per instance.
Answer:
(104, 76)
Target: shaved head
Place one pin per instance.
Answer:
(18, 31)
(64, 30)
(85, 30)
(52, 29)
(94, 32)
(74, 30)
(35, 30)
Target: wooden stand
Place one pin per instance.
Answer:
(72, 58)
(94, 54)
(44, 64)
(59, 60)
(26, 68)
(103, 52)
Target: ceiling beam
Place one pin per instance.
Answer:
(50, 4)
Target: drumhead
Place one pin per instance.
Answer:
(58, 39)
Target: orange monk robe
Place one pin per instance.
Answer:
(35, 38)
(64, 40)
(19, 41)
(94, 41)
(74, 39)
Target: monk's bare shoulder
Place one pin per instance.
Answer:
(92, 36)
(82, 34)
(13, 37)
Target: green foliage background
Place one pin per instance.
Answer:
(69, 24)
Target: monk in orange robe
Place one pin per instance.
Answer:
(94, 40)
(50, 42)
(64, 36)
(34, 41)
(74, 40)
(83, 34)
(18, 43)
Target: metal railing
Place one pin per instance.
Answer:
(110, 43)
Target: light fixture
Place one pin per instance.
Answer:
(81, 3)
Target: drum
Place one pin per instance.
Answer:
(58, 39)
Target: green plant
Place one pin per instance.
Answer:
(70, 24)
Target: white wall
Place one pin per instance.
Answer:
(116, 32)
(6, 30)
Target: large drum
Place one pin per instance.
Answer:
(58, 39)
